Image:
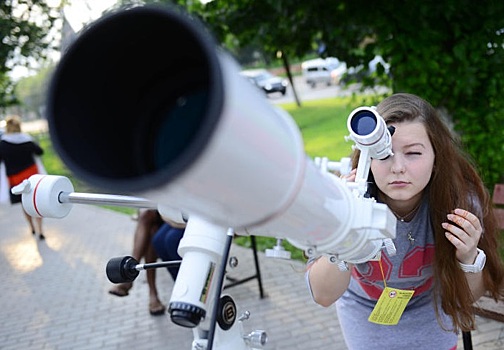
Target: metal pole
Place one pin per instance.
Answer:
(106, 199)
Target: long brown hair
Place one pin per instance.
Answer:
(454, 183)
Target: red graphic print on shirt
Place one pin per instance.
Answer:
(415, 268)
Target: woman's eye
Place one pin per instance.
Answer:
(414, 153)
(387, 157)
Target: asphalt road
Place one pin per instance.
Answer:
(305, 92)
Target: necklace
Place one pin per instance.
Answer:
(411, 239)
(408, 215)
(403, 218)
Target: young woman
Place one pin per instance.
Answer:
(446, 240)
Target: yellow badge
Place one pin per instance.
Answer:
(390, 306)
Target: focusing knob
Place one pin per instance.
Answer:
(186, 315)
(226, 316)
(122, 269)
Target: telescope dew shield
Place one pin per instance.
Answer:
(130, 99)
(144, 103)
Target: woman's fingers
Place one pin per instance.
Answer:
(350, 177)
(463, 230)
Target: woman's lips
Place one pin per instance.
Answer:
(399, 184)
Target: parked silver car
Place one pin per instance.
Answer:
(323, 71)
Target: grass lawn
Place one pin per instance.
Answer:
(322, 124)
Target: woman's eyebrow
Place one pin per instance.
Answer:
(414, 144)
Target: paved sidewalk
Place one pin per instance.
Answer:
(54, 293)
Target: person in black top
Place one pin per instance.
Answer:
(18, 161)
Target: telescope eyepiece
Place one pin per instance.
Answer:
(363, 122)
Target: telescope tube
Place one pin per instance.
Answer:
(145, 103)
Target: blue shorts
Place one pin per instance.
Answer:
(166, 242)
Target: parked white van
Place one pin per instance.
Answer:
(326, 71)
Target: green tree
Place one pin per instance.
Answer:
(447, 51)
(25, 26)
(32, 91)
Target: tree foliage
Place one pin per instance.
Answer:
(32, 91)
(24, 29)
(448, 51)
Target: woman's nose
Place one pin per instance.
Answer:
(397, 164)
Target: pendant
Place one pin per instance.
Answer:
(411, 238)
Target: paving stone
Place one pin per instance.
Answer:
(55, 293)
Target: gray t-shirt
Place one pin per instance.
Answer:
(410, 268)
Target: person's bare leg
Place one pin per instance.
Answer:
(147, 220)
(35, 224)
(29, 220)
(38, 227)
(155, 305)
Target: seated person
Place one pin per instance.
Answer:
(149, 221)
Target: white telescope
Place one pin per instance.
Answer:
(144, 103)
